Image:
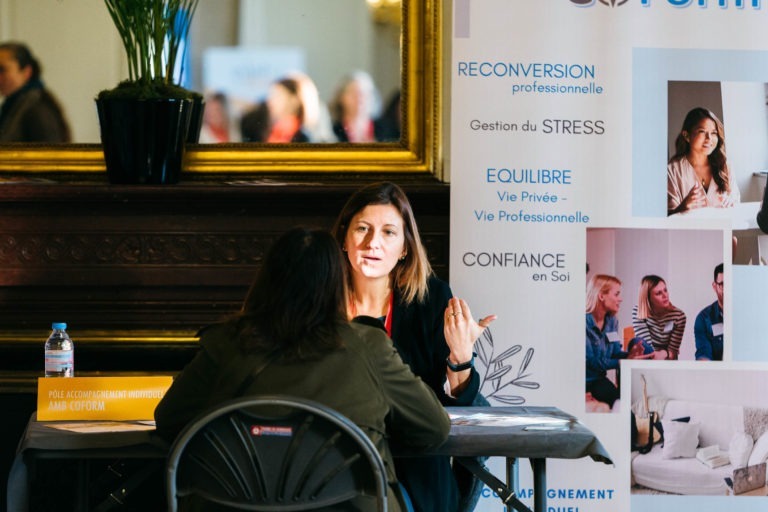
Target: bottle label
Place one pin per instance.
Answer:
(59, 360)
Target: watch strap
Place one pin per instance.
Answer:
(461, 366)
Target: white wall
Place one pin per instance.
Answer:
(704, 382)
(601, 251)
(81, 53)
(746, 134)
(334, 40)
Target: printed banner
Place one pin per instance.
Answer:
(608, 161)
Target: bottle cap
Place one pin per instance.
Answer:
(59, 325)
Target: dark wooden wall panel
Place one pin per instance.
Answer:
(117, 259)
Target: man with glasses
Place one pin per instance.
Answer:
(708, 328)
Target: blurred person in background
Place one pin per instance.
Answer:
(354, 108)
(389, 126)
(216, 120)
(317, 119)
(277, 119)
(29, 112)
(286, 112)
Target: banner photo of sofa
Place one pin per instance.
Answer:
(594, 144)
(713, 422)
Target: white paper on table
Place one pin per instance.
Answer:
(93, 427)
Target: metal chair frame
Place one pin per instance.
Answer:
(274, 453)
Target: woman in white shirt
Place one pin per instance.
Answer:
(698, 175)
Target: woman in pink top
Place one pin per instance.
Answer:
(698, 175)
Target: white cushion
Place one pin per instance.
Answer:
(680, 439)
(718, 421)
(739, 449)
(760, 450)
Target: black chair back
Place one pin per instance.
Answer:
(274, 453)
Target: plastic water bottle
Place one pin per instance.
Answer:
(59, 352)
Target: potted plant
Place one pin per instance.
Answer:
(145, 119)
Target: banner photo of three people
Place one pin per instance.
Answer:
(608, 161)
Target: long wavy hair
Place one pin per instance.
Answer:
(717, 159)
(599, 283)
(297, 302)
(410, 275)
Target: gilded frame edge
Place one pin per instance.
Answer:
(419, 152)
(117, 337)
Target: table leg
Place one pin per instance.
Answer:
(539, 467)
(118, 496)
(83, 477)
(513, 478)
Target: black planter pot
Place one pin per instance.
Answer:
(144, 140)
(196, 120)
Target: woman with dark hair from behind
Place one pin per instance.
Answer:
(294, 321)
(698, 175)
(29, 112)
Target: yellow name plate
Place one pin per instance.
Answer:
(99, 398)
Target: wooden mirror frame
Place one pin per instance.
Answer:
(419, 150)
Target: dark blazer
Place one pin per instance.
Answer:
(417, 331)
(31, 115)
(366, 381)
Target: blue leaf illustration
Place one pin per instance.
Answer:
(507, 353)
(510, 399)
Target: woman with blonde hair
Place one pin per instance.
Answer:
(603, 348)
(354, 108)
(656, 320)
